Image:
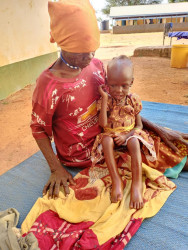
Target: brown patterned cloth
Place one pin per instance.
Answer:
(121, 119)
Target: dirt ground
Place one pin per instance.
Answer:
(154, 81)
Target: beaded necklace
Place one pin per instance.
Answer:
(70, 66)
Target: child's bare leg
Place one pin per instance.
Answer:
(136, 200)
(117, 184)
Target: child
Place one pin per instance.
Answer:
(120, 119)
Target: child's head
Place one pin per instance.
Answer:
(119, 76)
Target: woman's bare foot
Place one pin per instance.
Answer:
(117, 190)
(136, 201)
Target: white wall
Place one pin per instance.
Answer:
(24, 29)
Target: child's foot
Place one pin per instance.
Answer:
(117, 190)
(136, 201)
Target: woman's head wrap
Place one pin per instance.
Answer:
(74, 26)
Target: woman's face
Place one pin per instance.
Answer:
(80, 60)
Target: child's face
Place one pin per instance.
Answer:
(119, 82)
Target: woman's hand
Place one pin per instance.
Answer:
(59, 177)
(169, 136)
(103, 93)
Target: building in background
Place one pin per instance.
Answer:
(25, 49)
(149, 18)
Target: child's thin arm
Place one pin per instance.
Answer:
(121, 138)
(103, 112)
(138, 124)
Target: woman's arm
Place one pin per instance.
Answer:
(151, 126)
(138, 122)
(41, 126)
(167, 135)
(59, 176)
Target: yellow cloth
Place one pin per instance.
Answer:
(109, 219)
(119, 129)
(74, 26)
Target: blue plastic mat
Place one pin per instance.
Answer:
(167, 115)
(22, 185)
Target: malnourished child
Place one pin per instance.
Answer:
(120, 119)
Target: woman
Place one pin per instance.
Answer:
(64, 106)
(79, 53)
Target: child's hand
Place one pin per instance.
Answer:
(102, 92)
(119, 139)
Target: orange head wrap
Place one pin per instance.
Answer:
(74, 26)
